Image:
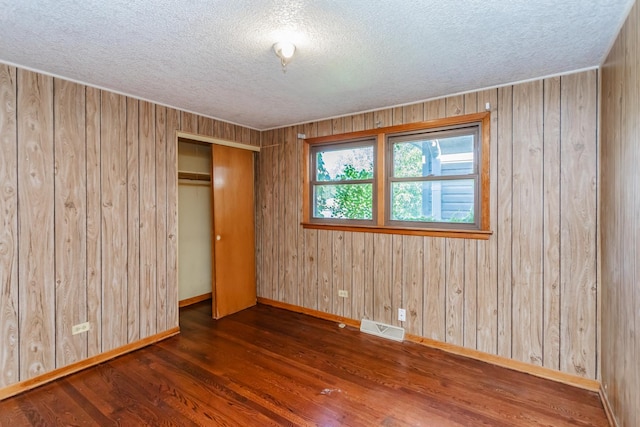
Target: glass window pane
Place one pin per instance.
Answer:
(345, 164)
(346, 201)
(434, 157)
(433, 201)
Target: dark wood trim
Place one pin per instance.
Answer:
(433, 232)
(193, 300)
(538, 371)
(34, 382)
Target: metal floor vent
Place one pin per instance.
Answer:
(382, 330)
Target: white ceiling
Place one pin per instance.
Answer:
(214, 57)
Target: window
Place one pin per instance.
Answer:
(343, 181)
(433, 178)
(428, 178)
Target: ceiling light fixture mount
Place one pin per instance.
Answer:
(284, 50)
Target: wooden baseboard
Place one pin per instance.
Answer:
(193, 300)
(32, 383)
(309, 312)
(538, 371)
(607, 407)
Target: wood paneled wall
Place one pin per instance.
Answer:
(528, 293)
(88, 215)
(620, 229)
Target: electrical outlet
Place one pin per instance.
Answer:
(80, 328)
(402, 314)
(343, 293)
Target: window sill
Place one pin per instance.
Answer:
(431, 232)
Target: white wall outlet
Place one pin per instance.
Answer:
(402, 314)
(80, 328)
(342, 293)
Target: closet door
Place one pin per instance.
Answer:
(233, 230)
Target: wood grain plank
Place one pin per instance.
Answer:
(325, 286)
(297, 203)
(505, 217)
(113, 182)
(528, 169)
(413, 277)
(551, 226)
(382, 118)
(382, 279)
(133, 222)
(291, 221)
(161, 218)
(487, 336)
(348, 272)
(94, 220)
(455, 290)
(413, 113)
(206, 126)
(357, 275)
(337, 272)
(578, 222)
(70, 220)
(267, 221)
(36, 269)
(188, 122)
(275, 212)
(397, 268)
(9, 315)
(173, 124)
(435, 298)
(368, 276)
(148, 284)
(310, 286)
(281, 224)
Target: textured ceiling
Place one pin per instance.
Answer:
(214, 57)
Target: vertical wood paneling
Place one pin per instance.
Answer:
(325, 287)
(528, 170)
(310, 299)
(291, 202)
(357, 275)
(206, 126)
(578, 240)
(551, 218)
(487, 326)
(383, 283)
(397, 277)
(413, 269)
(161, 218)
(148, 286)
(9, 356)
(133, 222)
(348, 273)
(495, 295)
(619, 207)
(94, 221)
(173, 124)
(36, 224)
(337, 272)
(91, 235)
(504, 216)
(70, 220)
(188, 122)
(114, 220)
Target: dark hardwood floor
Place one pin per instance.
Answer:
(266, 366)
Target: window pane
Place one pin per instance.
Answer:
(437, 157)
(433, 201)
(344, 165)
(347, 201)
